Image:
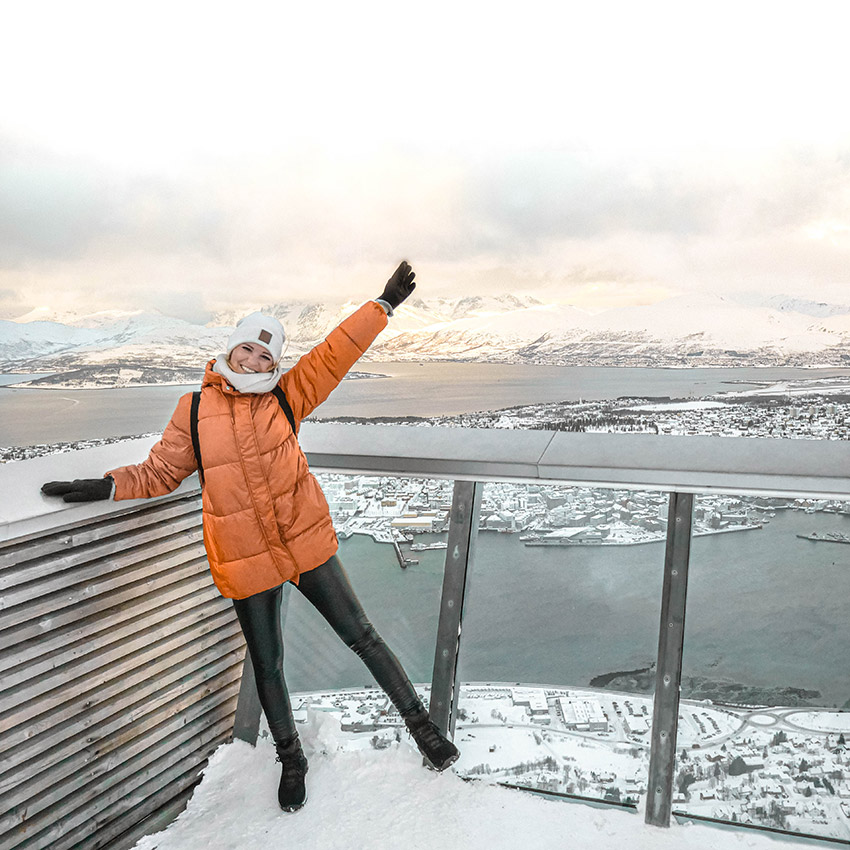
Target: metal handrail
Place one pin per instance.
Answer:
(678, 465)
(684, 464)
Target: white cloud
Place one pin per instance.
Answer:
(607, 153)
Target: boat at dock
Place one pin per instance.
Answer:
(829, 537)
(589, 541)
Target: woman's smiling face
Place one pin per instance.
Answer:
(250, 357)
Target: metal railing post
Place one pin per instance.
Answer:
(246, 723)
(463, 530)
(668, 676)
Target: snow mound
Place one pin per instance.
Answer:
(385, 799)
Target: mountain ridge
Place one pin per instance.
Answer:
(704, 330)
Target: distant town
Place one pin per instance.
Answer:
(784, 768)
(817, 409)
(810, 410)
(395, 510)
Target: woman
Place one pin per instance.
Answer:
(266, 520)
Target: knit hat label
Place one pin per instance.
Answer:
(264, 336)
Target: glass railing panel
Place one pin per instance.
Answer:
(385, 526)
(766, 683)
(559, 640)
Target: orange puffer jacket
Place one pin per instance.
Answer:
(265, 517)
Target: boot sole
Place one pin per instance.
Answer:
(446, 765)
(290, 809)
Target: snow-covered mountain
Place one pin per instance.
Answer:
(806, 306)
(683, 330)
(307, 323)
(486, 335)
(75, 318)
(135, 339)
(20, 342)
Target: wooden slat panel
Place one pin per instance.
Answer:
(86, 710)
(103, 668)
(73, 639)
(154, 796)
(120, 666)
(50, 827)
(35, 620)
(24, 549)
(103, 759)
(117, 563)
(153, 815)
(226, 639)
(93, 582)
(121, 639)
(53, 565)
(58, 740)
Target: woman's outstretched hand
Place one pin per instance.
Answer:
(400, 285)
(80, 490)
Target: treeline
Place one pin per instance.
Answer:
(586, 421)
(547, 763)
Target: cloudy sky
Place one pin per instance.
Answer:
(191, 157)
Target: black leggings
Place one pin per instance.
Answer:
(328, 589)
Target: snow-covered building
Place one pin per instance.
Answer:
(583, 715)
(414, 521)
(534, 701)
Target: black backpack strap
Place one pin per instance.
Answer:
(193, 427)
(284, 406)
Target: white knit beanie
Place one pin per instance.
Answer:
(261, 329)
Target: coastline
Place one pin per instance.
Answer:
(566, 541)
(70, 387)
(73, 387)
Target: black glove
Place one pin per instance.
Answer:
(81, 490)
(400, 285)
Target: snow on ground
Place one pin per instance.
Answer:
(502, 748)
(680, 405)
(821, 721)
(812, 386)
(385, 800)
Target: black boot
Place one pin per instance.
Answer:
(437, 750)
(291, 793)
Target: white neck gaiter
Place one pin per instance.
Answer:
(259, 382)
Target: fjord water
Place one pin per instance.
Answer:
(39, 416)
(765, 608)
